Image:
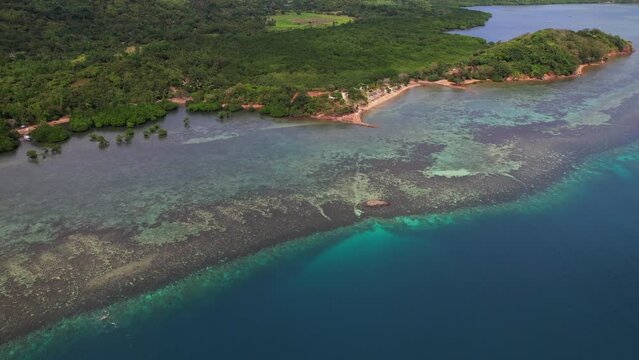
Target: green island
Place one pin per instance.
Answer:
(120, 65)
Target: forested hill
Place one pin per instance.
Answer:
(543, 54)
(61, 27)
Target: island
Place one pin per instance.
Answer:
(324, 71)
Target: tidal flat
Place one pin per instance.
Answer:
(91, 227)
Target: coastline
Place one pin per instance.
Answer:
(379, 96)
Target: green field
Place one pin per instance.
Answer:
(293, 20)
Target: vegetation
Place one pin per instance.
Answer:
(101, 140)
(8, 138)
(87, 63)
(167, 105)
(556, 52)
(301, 20)
(223, 114)
(48, 134)
(124, 115)
(203, 106)
(32, 154)
(114, 63)
(128, 135)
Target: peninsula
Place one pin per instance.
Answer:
(544, 55)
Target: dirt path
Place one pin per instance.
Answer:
(63, 120)
(180, 100)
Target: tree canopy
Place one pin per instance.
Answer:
(113, 62)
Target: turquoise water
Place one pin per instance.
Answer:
(551, 276)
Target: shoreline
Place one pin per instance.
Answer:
(376, 98)
(381, 97)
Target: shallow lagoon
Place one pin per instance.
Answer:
(218, 159)
(365, 292)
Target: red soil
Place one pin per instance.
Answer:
(63, 120)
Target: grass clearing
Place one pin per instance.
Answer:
(293, 20)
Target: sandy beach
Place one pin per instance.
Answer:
(382, 96)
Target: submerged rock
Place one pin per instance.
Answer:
(376, 203)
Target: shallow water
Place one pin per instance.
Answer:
(214, 160)
(550, 276)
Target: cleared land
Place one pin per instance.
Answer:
(303, 20)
